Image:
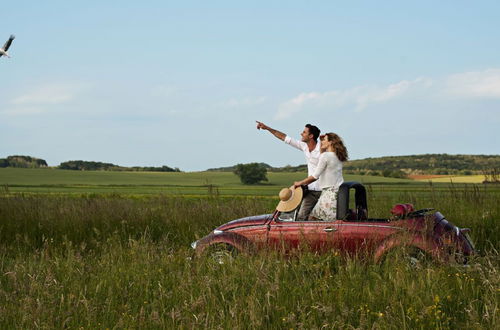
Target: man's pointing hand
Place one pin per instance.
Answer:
(261, 125)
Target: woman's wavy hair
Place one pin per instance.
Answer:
(338, 146)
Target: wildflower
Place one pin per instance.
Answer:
(380, 314)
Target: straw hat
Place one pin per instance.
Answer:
(290, 198)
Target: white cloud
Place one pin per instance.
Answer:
(484, 84)
(297, 103)
(49, 94)
(358, 98)
(468, 85)
(43, 99)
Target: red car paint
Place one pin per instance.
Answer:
(424, 230)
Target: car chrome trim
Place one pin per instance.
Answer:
(194, 244)
(246, 227)
(218, 232)
(362, 225)
(339, 224)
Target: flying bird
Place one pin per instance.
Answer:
(5, 48)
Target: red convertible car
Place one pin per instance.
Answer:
(421, 234)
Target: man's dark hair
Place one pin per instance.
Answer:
(314, 131)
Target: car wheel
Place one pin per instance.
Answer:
(459, 258)
(412, 256)
(417, 258)
(222, 253)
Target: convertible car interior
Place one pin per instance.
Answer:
(347, 210)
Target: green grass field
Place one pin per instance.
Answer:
(192, 183)
(107, 250)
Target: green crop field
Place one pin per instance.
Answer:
(111, 250)
(197, 183)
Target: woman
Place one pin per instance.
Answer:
(329, 176)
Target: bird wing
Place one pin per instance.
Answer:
(7, 44)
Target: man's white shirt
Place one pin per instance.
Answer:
(312, 158)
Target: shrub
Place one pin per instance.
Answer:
(251, 173)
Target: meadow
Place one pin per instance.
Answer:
(111, 250)
(173, 183)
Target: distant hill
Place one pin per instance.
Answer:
(402, 166)
(22, 161)
(425, 164)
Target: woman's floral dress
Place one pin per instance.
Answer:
(326, 207)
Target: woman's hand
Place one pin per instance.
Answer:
(306, 181)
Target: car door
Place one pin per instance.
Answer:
(315, 236)
(362, 236)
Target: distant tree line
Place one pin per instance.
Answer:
(233, 168)
(163, 168)
(289, 168)
(22, 161)
(81, 165)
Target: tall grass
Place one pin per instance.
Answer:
(28, 222)
(120, 262)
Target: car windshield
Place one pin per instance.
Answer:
(288, 216)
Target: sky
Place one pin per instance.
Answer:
(181, 83)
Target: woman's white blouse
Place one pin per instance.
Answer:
(329, 170)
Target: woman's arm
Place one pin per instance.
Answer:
(306, 181)
(319, 170)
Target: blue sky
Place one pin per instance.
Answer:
(182, 83)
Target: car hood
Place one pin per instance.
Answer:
(247, 221)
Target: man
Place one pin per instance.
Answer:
(310, 146)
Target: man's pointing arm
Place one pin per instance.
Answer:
(274, 132)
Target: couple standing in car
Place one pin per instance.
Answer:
(324, 169)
